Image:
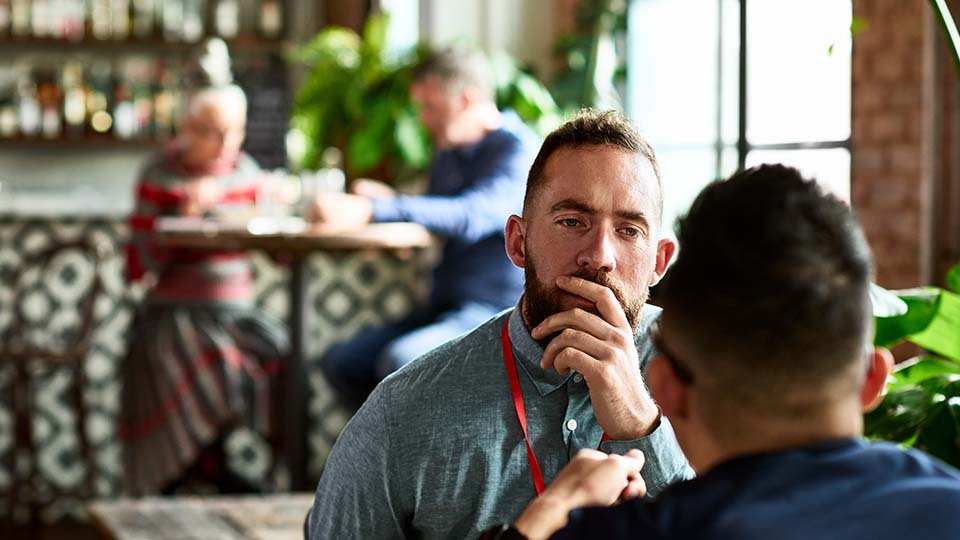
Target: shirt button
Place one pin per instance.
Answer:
(572, 424)
(578, 378)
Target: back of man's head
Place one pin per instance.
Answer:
(769, 295)
(457, 68)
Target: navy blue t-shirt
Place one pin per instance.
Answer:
(839, 490)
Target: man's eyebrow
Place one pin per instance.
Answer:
(579, 206)
(632, 216)
(572, 204)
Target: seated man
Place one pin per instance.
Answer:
(465, 436)
(764, 366)
(476, 180)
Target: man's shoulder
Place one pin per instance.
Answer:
(909, 465)
(450, 368)
(513, 136)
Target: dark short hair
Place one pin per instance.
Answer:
(592, 128)
(457, 68)
(770, 291)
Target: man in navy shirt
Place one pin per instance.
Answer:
(477, 180)
(764, 367)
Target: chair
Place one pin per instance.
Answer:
(63, 280)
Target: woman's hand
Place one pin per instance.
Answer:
(201, 194)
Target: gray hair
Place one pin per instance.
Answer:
(211, 80)
(457, 68)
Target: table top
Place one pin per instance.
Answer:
(209, 234)
(263, 517)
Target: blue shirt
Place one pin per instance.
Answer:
(838, 490)
(473, 190)
(437, 450)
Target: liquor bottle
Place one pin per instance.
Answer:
(20, 18)
(99, 119)
(193, 20)
(74, 99)
(124, 113)
(28, 110)
(40, 18)
(139, 75)
(172, 11)
(143, 18)
(164, 101)
(99, 19)
(119, 19)
(8, 102)
(5, 15)
(271, 18)
(226, 18)
(50, 99)
(72, 20)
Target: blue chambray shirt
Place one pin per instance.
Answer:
(437, 450)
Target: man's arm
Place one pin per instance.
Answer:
(591, 479)
(476, 212)
(666, 465)
(355, 497)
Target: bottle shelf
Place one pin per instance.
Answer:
(92, 141)
(241, 43)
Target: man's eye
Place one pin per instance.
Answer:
(569, 222)
(630, 231)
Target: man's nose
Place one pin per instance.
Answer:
(599, 253)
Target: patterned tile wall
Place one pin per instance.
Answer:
(347, 291)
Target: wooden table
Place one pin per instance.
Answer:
(207, 234)
(272, 517)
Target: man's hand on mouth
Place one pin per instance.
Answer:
(600, 346)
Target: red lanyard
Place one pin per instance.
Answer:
(511, 366)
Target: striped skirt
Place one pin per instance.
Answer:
(192, 374)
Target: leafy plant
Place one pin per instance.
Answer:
(922, 405)
(356, 96)
(592, 67)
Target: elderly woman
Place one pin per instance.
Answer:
(203, 356)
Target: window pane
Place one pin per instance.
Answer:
(730, 70)
(830, 167)
(797, 89)
(684, 173)
(728, 162)
(673, 70)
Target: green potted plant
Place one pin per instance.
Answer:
(922, 406)
(356, 96)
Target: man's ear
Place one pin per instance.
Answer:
(670, 393)
(881, 364)
(665, 250)
(515, 232)
(467, 97)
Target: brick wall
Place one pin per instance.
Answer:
(903, 165)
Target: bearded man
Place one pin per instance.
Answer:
(466, 435)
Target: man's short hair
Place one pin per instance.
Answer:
(769, 293)
(457, 68)
(592, 128)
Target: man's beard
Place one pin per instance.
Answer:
(542, 300)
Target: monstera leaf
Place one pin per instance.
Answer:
(922, 404)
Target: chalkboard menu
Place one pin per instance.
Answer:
(264, 79)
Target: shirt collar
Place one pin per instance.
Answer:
(527, 353)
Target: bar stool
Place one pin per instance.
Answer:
(64, 276)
